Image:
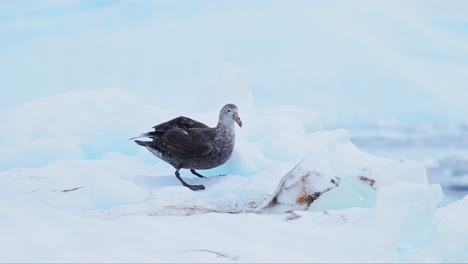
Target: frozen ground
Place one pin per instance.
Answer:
(73, 189)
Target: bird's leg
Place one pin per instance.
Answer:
(196, 173)
(201, 176)
(191, 187)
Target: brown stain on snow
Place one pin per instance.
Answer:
(291, 215)
(367, 180)
(305, 198)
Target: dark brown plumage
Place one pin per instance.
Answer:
(187, 143)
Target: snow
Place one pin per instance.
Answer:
(74, 189)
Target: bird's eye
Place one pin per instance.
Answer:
(229, 110)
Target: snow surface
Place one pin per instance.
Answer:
(74, 189)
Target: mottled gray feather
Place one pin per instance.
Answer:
(186, 143)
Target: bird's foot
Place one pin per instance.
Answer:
(195, 187)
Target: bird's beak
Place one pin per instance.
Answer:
(236, 117)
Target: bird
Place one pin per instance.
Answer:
(185, 143)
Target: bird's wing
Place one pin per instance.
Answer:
(180, 122)
(191, 142)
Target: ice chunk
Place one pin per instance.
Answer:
(409, 209)
(299, 189)
(337, 175)
(80, 124)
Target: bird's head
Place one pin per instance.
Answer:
(230, 111)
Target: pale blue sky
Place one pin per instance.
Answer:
(347, 60)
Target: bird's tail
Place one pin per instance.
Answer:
(141, 136)
(142, 143)
(152, 149)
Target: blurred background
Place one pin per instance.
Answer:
(393, 73)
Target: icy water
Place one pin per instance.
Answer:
(443, 151)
